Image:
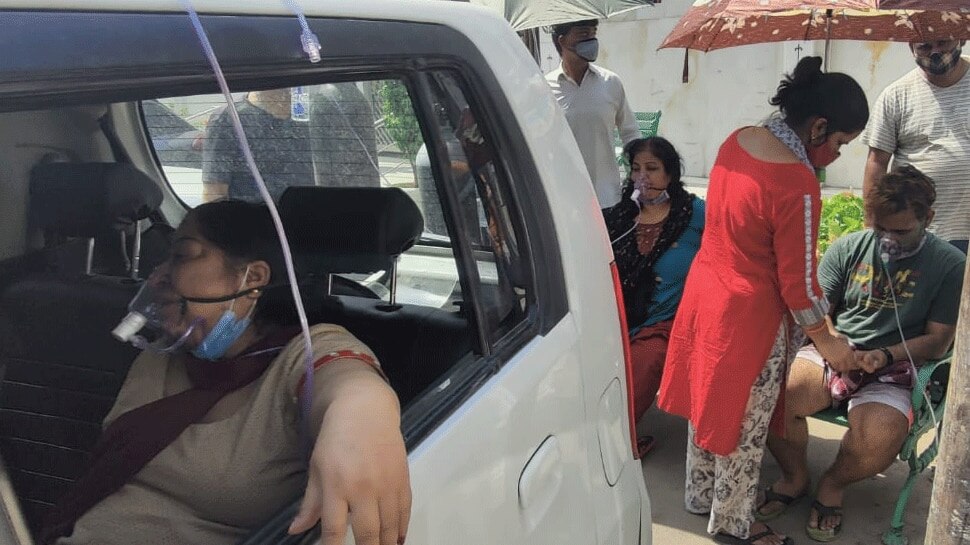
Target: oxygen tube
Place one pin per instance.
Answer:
(311, 46)
(884, 259)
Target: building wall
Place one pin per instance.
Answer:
(727, 88)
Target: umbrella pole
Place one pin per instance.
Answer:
(685, 76)
(828, 39)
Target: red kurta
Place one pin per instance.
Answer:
(756, 261)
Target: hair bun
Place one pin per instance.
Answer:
(807, 71)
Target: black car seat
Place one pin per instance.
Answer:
(363, 230)
(62, 368)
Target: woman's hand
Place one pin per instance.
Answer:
(838, 353)
(358, 470)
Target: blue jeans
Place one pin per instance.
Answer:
(961, 244)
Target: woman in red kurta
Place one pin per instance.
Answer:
(733, 336)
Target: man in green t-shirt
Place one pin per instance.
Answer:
(895, 276)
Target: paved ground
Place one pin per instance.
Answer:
(869, 504)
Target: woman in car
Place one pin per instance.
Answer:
(733, 337)
(207, 438)
(656, 228)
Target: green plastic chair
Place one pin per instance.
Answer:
(931, 378)
(647, 122)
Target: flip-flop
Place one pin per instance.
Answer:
(821, 513)
(721, 537)
(772, 496)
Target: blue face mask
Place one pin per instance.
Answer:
(227, 330)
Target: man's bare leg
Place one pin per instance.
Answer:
(875, 435)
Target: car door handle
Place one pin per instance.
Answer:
(540, 481)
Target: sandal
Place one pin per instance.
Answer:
(645, 444)
(771, 496)
(821, 513)
(721, 537)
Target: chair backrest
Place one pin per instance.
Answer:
(349, 230)
(648, 123)
(360, 230)
(73, 203)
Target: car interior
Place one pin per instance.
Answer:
(97, 221)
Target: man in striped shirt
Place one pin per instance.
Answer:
(923, 119)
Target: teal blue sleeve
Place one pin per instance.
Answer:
(697, 218)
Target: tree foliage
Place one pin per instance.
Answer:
(399, 118)
(841, 214)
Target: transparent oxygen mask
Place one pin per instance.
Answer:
(153, 319)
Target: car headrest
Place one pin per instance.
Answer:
(85, 199)
(349, 229)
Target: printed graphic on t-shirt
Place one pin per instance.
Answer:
(874, 286)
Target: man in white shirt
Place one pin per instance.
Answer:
(594, 102)
(923, 119)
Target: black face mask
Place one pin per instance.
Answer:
(940, 64)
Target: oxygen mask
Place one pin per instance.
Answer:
(160, 310)
(891, 249)
(641, 185)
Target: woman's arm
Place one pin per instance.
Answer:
(358, 470)
(795, 217)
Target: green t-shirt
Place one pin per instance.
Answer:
(927, 288)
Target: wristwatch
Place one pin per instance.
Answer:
(889, 355)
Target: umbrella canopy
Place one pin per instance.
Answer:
(716, 24)
(526, 14)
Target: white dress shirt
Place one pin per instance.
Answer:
(593, 108)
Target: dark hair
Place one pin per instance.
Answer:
(563, 28)
(808, 92)
(662, 149)
(245, 232)
(903, 188)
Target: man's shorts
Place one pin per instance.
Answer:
(875, 392)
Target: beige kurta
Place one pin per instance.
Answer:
(219, 479)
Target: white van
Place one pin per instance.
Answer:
(499, 328)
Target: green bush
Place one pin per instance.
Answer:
(841, 214)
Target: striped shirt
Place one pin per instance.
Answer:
(929, 127)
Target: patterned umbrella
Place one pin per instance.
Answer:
(526, 14)
(716, 24)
